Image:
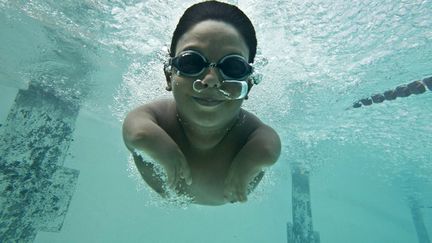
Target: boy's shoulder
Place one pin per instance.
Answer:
(251, 124)
(156, 108)
(250, 119)
(247, 124)
(157, 111)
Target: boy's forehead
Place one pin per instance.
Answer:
(216, 35)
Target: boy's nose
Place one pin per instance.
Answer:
(211, 78)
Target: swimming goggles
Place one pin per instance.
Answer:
(233, 68)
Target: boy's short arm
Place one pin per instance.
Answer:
(141, 132)
(261, 150)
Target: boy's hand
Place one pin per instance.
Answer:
(261, 150)
(177, 169)
(237, 182)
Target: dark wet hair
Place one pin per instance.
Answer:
(214, 10)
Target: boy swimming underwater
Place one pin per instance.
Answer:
(210, 148)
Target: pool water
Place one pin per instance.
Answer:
(71, 70)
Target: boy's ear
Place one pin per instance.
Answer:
(250, 84)
(168, 73)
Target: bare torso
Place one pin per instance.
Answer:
(209, 166)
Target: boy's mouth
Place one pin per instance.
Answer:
(207, 101)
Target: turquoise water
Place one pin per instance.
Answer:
(368, 166)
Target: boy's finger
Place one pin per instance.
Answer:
(187, 176)
(243, 192)
(229, 194)
(242, 196)
(172, 178)
(186, 173)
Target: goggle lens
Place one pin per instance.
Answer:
(189, 64)
(234, 67)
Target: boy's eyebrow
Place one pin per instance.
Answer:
(191, 48)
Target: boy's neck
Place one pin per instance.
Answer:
(205, 138)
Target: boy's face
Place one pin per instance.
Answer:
(214, 40)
